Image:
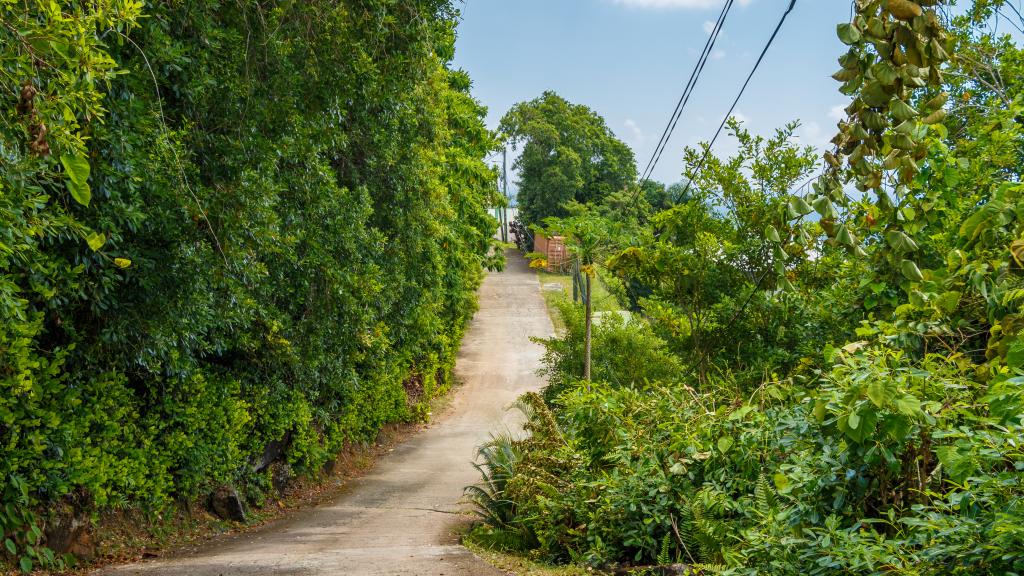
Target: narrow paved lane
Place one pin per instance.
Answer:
(398, 520)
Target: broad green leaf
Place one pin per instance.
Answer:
(948, 302)
(917, 298)
(724, 444)
(988, 216)
(900, 242)
(956, 258)
(1006, 399)
(779, 254)
(824, 206)
(874, 94)
(800, 206)
(819, 410)
(958, 464)
(908, 405)
(881, 391)
(10, 546)
(772, 234)
(853, 421)
(1015, 353)
(741, 412)
(76, 169)
(859, 426)
(844, 236)
(848, 34)
(911, 271)
(122, 262)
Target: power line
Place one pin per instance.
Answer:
(684, 98)
(707, 150)
(679, 112)
(742, 310)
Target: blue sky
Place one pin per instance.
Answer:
(629, 60)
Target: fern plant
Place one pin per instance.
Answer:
(497, 461)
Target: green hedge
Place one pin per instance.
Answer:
(221, 225)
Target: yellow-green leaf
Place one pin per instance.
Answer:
(781, 482)
(76, 169)
(819, 410)
(853, 421)
(908, 405)
(1017, 250)
(848, 34)
(880, 391)
(96, 240)
(911, 271)
(800, 206)
(724, 444)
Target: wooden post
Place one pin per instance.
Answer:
(586, 338)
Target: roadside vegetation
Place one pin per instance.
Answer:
(824, 373)
(605, 300)
(234, 238)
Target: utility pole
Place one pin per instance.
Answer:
(504, 186)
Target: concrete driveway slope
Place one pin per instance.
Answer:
(399, 518)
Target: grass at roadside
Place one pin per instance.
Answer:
(604, 301)
(520, 565)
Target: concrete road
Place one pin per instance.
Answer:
(399, 519)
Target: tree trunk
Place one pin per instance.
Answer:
(586, 337)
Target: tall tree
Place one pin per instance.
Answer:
(568, 153)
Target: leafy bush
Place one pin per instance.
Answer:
(858, 396)
(779, 483)
(221, 226)
(625, 352)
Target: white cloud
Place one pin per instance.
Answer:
(709, 27)
(811, 134)
(837, 113)
(743, 118)
(636, 135)
(683, 4)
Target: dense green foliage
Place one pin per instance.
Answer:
(223, 225)
(628, 353)
(567, 154)
(709, 275)
(851, 398)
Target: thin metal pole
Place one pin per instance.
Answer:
(504, 186)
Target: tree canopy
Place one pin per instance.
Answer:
(567, 153)
(224, 226)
